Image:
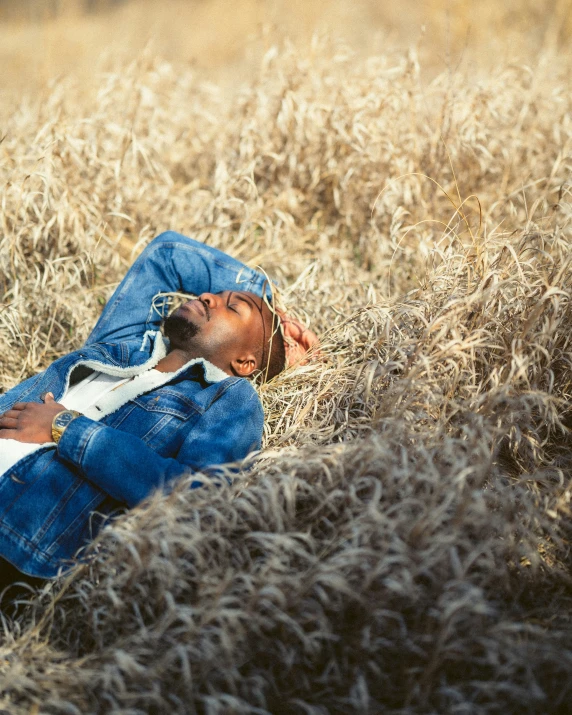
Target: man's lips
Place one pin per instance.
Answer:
(199, 307)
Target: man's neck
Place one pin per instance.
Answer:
(174, 360)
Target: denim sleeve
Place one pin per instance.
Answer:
(170, 263)
(128, 470)
(18, 393)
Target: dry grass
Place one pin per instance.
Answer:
(224, 40)
(402, 543)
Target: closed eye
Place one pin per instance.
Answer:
(234, 308)
(241, 301)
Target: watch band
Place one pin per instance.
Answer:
(61, 421)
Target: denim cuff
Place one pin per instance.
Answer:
(74, 441)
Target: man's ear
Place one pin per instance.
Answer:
(244, 366)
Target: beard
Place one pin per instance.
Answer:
(179, 330)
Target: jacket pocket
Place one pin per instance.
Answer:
(168, 402)
(159, 418)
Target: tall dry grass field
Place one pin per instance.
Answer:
(402, 543)
(225, 40)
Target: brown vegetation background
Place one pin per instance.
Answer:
(224, 40)
(402, 543)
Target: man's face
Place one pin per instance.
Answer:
(229, 329)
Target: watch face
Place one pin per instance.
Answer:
(63, 419)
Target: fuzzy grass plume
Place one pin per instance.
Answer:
(401, 544)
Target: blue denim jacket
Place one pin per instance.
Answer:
(53, 501)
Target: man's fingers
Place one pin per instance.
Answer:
(30, 405)
(7, 421)
(47, 398)
(11, 413)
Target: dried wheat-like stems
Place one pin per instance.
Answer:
(401, 544)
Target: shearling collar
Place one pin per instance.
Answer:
(144, 381)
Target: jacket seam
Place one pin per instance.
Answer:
(77, 450)
(64, 499)
(19, 540)
(27, 485)
(72, 525)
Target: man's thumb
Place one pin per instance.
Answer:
(49, 397)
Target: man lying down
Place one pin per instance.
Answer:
(105, 425)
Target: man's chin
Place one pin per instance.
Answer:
(179, 330)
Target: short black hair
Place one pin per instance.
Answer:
(273, 359)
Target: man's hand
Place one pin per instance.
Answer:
(30, 421)
(298, 340)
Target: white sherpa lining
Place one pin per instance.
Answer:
(112, 401)
(143, 383)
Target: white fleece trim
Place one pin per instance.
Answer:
(212, 373)
(113, 400)
(144, 381)
(159, 352)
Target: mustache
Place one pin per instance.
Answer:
(206, 307)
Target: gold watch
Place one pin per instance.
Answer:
(61, 421)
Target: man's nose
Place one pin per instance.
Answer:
(209, 298)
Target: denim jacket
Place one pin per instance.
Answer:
(53, 501)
